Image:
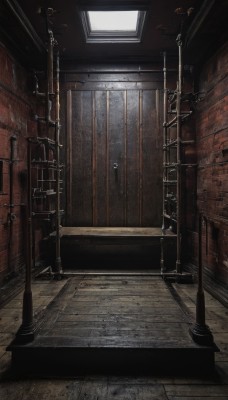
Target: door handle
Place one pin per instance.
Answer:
(115, 166)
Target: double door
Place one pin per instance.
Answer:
(114, 158)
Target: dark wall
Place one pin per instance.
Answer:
(16, 123)
(212, 177)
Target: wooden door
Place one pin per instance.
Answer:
(114, 161)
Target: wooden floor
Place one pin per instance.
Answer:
(108, 323)
(118, 311)
(109, 387)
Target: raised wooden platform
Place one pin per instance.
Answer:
(113, 324)
(107, 247)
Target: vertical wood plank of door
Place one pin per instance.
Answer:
(116, 159)
(100, 159)
(82, 148)
(132, 158)
(151, 162)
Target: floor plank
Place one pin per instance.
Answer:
(182, 391)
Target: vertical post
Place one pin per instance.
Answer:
(50, 61)
(12, 161)
(11, 215)
(26, 331)
(69, 171)
(164, 138)
(178, 115)
(200, 332)
(50, 89)
(162, 255)
(57, 143)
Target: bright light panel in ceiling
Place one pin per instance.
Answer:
(114, 21)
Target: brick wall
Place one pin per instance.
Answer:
(212, 154)
(17, 107)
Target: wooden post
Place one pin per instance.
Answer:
(200, 332)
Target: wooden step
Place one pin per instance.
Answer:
(70, 355)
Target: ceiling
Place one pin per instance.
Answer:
(162, 24)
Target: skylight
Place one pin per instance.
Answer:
(102, 26)
(112, 21)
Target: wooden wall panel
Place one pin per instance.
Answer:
(108, 127)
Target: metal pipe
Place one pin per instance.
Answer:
(11, 215)
(116, 71)
(50, 60)
(47, 271)
(12, 160)
(178, 129)
(58, 170)
(50, 90)
(165, 95)
(36, 92)
(180, 67)
(15, 205)
(26, 331)
(200, 332)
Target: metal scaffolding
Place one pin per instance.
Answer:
(174, 115)
(44, 180)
